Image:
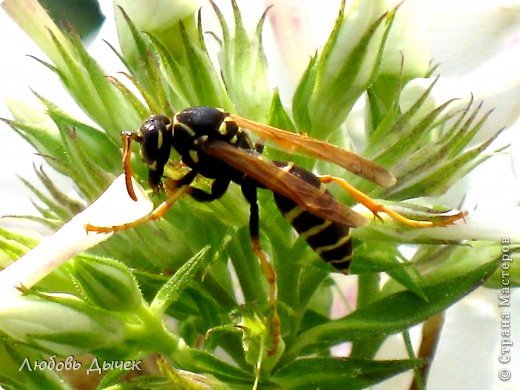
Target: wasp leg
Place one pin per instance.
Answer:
(174, 188)
(377, 208)
(155, 214)
(249, 191)
(218, 188)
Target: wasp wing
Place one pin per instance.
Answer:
(278, 180)
(294, 142)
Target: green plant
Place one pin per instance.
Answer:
(116, 301)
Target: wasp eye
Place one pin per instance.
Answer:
(155, 146)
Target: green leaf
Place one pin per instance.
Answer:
(394, 313)
(45, 139)
(172, 289)
(201, 361)
(18, 369)
(87, 174)
(390, 129)
(339, 373)
(370, 256)
(247, 267)
(439, 177)
(63, 200)
(185, 380)
(398, 145)
(304, 90)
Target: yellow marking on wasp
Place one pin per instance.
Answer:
(293, 213)
(194, 156)
(188, 129)
(202, 138)
(345, 259)
(223, 128)
(159, 140)
(152, 166)
(234, 139)
(316, 229)
(288, 167)
(337, 244)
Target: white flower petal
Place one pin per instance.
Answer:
(495, 77)
(482, 224)
(113, 207)
(466, 33)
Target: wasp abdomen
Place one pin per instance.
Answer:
(330, 240)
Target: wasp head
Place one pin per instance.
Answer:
(155, 137)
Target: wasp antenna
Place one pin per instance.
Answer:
(127, 138)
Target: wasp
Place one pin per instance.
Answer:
(215, 144)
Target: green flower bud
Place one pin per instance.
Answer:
(108, 283)
(78, 71)
(406, 56)
(64, 325)
(244, 67)
(37, 24)
(161, 18)
(157, 15)
(348, 65)
(33, 124)
(406, 53)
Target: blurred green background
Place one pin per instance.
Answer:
(83, 15)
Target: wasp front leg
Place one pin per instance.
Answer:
(249, 189)
(157, 213)
(377, 208)
(174, 188)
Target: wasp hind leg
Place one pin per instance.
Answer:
(377, 208)
(249, 191)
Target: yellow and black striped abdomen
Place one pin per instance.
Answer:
(330, 240)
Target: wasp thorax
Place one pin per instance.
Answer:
(156, 135)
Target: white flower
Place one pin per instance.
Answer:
(113, 207)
